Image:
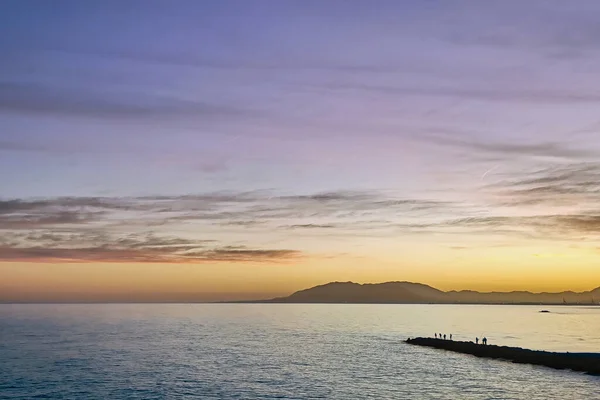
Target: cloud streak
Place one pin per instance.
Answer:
(555, 227)
(30, 98)
(576, 184)
(83, 229)
(150, 248)
(489, 94)
(111, 255)
(514, 149)
(31, 221)
(161, 228)
(226, 208)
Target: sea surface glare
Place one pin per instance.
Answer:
(284, 351)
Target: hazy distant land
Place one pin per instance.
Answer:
(418, 293)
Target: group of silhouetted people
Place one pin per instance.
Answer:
(443, 337)
(440, 336)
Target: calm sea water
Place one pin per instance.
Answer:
(286, 351)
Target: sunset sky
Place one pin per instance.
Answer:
(196, 150)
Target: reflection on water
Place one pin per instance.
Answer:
(298, 351)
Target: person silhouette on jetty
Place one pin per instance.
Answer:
(450, 336)
(484, 340)
(444, 336)
(476, 340)
(435, 335)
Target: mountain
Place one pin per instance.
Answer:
(418, 293)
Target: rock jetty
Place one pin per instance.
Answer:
(583, 362)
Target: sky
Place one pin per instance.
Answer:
(217, 150)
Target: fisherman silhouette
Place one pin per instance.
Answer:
(436, 335)
(444, 336)
(484, 340)
(450, 336)
(476, 340)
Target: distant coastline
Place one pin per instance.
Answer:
(418, 293)
(347, 293)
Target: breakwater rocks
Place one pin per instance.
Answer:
(583, 362)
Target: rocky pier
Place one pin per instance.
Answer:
(582, 362)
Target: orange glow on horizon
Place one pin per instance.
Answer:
(518, 269)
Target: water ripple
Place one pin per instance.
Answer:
(278, 352)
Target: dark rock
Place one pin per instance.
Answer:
(583, 362)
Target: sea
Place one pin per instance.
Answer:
(285, 351)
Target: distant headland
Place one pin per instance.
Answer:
(418, 293)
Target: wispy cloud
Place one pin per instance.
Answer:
(14, 145)
(105, 247)
(24, 205)
(555, 227)
(30, 98)
(125, 255)
(508, 150)
(230, 208)
(490, 94)
(107, 228)
(243, 254)
(576, 184)
(32, 221)
(311, 226)
(548, 28)
(166, 228)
